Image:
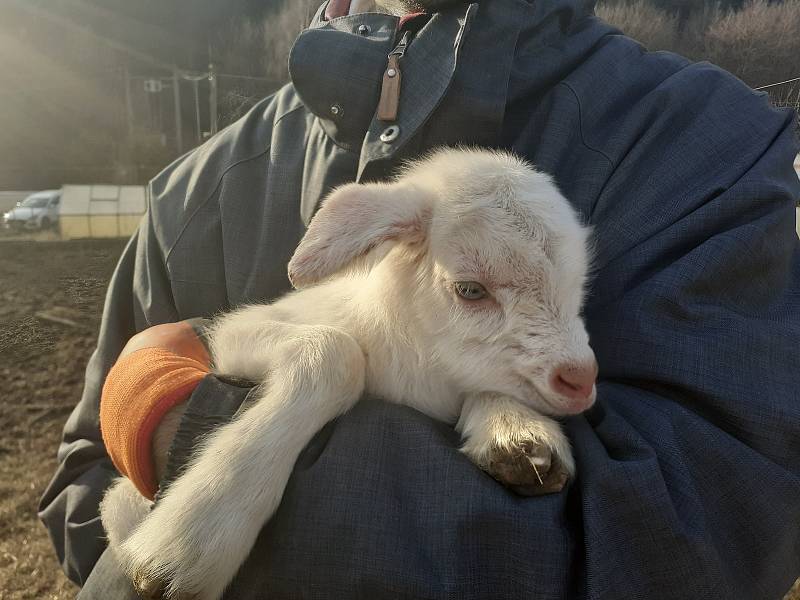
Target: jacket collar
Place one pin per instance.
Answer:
(459, 64)
(336, 68)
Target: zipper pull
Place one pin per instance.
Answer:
(392, 78)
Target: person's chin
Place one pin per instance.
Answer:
(432, 5)
(410, 6)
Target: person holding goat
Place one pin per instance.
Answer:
(687, 469)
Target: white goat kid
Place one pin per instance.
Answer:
(456, 290)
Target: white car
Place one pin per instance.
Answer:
(37, 211)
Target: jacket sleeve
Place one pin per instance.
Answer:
(138, 297)
(690, 464)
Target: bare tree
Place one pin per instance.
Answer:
(759, 43)
(258, 49)
(261, 47)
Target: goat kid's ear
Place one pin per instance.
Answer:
(353, 220)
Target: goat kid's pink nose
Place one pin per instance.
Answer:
(575, 380)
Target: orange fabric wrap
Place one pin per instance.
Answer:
(139, 390)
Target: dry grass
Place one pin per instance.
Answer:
(794, 593)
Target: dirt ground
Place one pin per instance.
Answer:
(51, 296)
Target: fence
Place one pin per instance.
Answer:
(785, 94)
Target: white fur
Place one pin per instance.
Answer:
(377, 311)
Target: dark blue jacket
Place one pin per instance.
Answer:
(689, 465)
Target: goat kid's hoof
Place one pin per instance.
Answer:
(529, 469)
(150, 588)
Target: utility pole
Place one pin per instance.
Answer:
(176, 94)
(198, 125)
(125, 149)
(212, 99)
(128, 103)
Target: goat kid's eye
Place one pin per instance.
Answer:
(470, 290)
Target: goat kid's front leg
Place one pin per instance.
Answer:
(198, 535)
(123, 507)
(522, 449)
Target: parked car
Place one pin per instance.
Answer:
(37, 211)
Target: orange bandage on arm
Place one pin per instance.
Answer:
(139, 390)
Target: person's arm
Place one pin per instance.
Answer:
(143, 398)
(138, 297)
(142, 293)
(690, 466)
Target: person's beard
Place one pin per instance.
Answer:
(403, 7)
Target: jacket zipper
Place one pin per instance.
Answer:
(392, 79)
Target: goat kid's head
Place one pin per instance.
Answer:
(495, 263)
